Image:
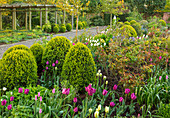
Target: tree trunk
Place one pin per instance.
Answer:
(111, 20)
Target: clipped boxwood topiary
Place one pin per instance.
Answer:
(47, 28)
(138, 28)
(56, 29)
(62, 28)
(68, 27)
(56, 49)
(19, 68)
(16, 47)
(37, 51)
(79, 67)
(129, 30)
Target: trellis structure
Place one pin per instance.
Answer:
(28, 9)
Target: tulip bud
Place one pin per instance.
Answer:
(99, 107)
(106, 82)
(104, 77)
(100, 74)
(90, 110)
(107, 109)
(97, 74)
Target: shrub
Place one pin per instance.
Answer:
(120, 24)
(144, 23)
(126, 23)
(68, 27)
(97, 21)
(62, 28)
(129, 30)
(84, 24)
(56, 29)
(79, 67)
(37, 51)
(80, 25)
(47, 28)
(163, 110)
(16, 47)
(137, 27)
(56, 49)
(162, 22)
(132, 22)
(19, 68)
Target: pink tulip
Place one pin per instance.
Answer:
(127, 91)
(120, 99)
(133, 97)
(65, 91)
(160, 77)
(38, 94)
(87, 43)
(160, 57)
(35, 97)
(3, 103)
(151, 59)
(53, 64)
(20, 90)
(104, 92)
(9, 107)
(46, 68)
(40, 98)
(75, 100)
(47, 62)
(53, 91)
(43, 70)
(166, 76)
(12, 98)
(73, 43)
(56, 61)
(112, 104)
(40, 111)
(90, 90)
(75, 110)
(115, 87)
(26, 91)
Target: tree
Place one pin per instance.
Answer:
(147, 6)
(112, 7)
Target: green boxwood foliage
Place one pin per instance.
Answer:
(79, 67)
(132, 22)
(68, 27)
(162, 22)
(47, 28)
(37, 51)
(138, 28)
(126, 23)
(129, 30)
(56, 29)
(16, 47)
(62, 28)
(18, 68)
(56, 49)
(80, 25)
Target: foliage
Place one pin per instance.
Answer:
(134, 15)
(137, 28)
(19, 69)
(68, 27)
(62, 28)
(37, 51)
(162, 22)
(79, 67)
(56, 29)
(129, 30)
(127, 23)
(56, 49)
(132, 22)
(47, 27)
(97, 21)
(84, 23)
(163, 110)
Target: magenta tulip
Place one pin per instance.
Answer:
(9, 107)
(53, 91)
(12, 98)
(160, 57)
(75, 100)
(127, 91)
(53, 64)
(73, 43)
(40, 111)
(38, 94)
(112, 104)
(104, 92)
(46, 68)
(35, 97)
(120, 99)
(56, 61)
(133, 97)
(20, 90)
(166, 76)
(115, 87)
(47, 62)
(65, 91)
(26, 91)
(40, 98)
(90, 90)
(160, 77)
(3, 103)
(75, 110)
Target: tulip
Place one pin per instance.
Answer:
(46, 68)
(90, 110)
(43, 70)
(160, 77)
(97, 74)
(106, 82)
(47, 62)
(104, 92)
(90, 90)
(150, 59)
(53, 91)
(115, 87)
(166, 76)
(53, 64)
(73, 43)
(107, 109)
(26, 91)
(127, 91)
(96, 114)
(99, 71)
(38, 94)
(133, 97)
(40, 98)
(65, 91)
(35, 97)
(4, 88)
(3, 103)
(20, 90)
(160, 57)
(12, 98)
(120, 99)
(104, 77)
(56, 61)
(40, 111)
(99, 107)
(112, 104)
(100, 74)
(75, 109)
(55, 68)
(75, 100)
(9, 107)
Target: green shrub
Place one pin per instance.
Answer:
(138, 28)
(84, 23)
(62, 28)
(68, 27)
(129, 30)
(47, 28)
(16, 47)
(79, 67)
(126, 23)
(56, 49)
(162, 22)
(120, 24)
(80, 25)
(132, 22)
(164, 110)
(37, 51)
(56, 29)
(19, 68)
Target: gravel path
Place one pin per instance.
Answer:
(68, 35)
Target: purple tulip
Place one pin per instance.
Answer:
(75, 110)
(3, 103)
(53, 91)
(133, 97)
(112, 104)
(12, 98)
(9, 107)
(75, 100)
(20, 90)
(115, 87)
(120, 99)
(26, 91)
(104, 92)
(127, 91)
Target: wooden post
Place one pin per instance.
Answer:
(72, 20)
(30, 18)
(55, 17)
(0, 20)
(14, 19)
(40, 18)
(26, 26)
(46, 14)
(64, 16)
